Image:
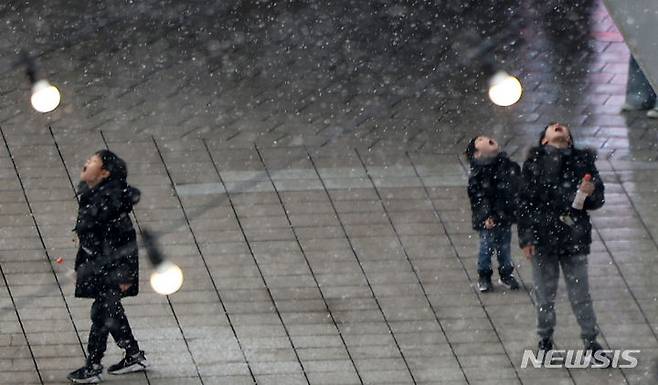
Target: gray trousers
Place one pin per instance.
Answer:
(546, 272)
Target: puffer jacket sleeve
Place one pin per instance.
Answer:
(481, 208)
(120, 244)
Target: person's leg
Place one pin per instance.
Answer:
(505, 263)
(504, 251)
(576, 277)
(99, 331)
(118, 324)
(134, 359)
(96, 345)
(487, 248)
(639, 93)
(545, 272)
(484, 260)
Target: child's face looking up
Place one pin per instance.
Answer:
(93, 172)
(557, 135)
(486, 146)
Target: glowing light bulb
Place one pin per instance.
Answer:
(45, 96)
(504, 89)
(167, 278)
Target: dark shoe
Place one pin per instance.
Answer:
(509, 282)
(90, 374)
(484, 282)
(134, 363)
(593, 347)
(545, 344)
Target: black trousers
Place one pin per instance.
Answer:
(108, 317)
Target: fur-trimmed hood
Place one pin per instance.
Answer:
(587, 153)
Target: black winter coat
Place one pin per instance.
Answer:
(551, 178)
(493, 190)
(107, 255)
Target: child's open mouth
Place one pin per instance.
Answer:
(84, 168)
(558, 129)
(491, 142)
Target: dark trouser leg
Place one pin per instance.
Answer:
(486, 250)
(120, 328)
(98, 333)
(503, 239)
(108, 317)
(574, 268)
(545, 273)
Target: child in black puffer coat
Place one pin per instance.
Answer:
(107, 262)
(493, 191)
(554, 234)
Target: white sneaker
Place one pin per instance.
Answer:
(652, 113)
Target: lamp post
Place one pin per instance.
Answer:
(166, 277)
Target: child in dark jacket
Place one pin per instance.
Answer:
(107, 263)
(555, 232)
(492, 188)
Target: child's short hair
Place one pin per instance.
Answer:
(114, 165)
(470, 149)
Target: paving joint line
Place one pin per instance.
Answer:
(46, 253)
(651, 237)
(308, 264)
(205, 263)
(413, 268)
(20, 322)
(365, 276)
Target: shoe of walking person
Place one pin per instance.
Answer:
(592, 347)
(484, 283)
(129, 364)
(653, 113)
(545, 344)
(509, 282)
(88, 374)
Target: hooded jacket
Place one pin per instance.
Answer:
(108, 254)
(493, 187)
(551, 178)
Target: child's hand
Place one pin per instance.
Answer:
(124, 287)
(586, 186)
(528, 251)
(489, 223)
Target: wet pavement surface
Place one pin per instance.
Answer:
(302, 164)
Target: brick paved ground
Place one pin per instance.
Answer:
(302, 164)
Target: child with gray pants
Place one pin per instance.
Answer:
(555, 230)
